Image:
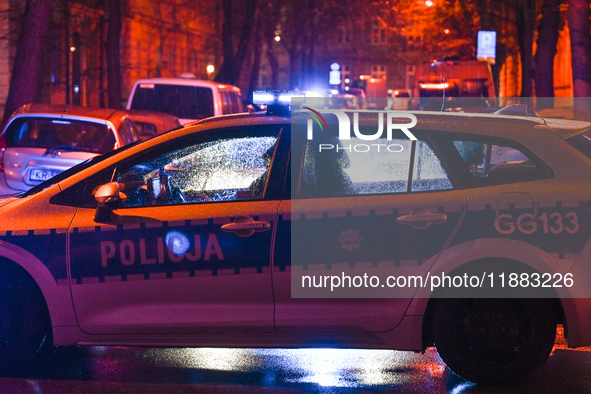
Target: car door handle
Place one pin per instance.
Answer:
(245, 226)
(421, 218)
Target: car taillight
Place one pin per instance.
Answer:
(2, 148)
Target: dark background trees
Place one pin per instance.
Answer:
(239, 21)
(294, 40)
(548, 30)
(114, 54)
(26, 71)
(578, 21)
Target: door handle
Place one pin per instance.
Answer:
(421, 218)
(245, 226)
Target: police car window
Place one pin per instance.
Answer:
(581, 142)
(428, 173)
(493, 163)
(354, 167)
(228, 169)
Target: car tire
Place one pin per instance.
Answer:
(24, 323)
(494, 341)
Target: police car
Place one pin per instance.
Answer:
(231, 232)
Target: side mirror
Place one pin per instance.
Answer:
(108, 196)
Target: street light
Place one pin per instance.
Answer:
(210, 69)
(429, 3)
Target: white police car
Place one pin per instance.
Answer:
(234, 231)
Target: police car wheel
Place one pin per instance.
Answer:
(23, 324)
(494, 341)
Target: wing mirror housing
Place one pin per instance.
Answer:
(108, 197)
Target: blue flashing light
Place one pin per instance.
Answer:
(278, 102)
(262, 97)
(274, 97)
(177, 242)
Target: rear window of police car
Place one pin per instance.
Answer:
(354, 167)
(582, 143)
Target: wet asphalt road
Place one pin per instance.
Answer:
(175, 370)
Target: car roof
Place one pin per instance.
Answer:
(474, 124)
(69, 110)
(241, 119)
(457, 122)
(188, 82)
(567, 128)
(144, 115)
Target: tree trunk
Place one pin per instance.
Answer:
(544, 57)
(271, 11)
(233, 61)
(243, 43)
(114, 55)
(273, 62)
(226, 73)
(258, 48)
(26, 73)
(580, 43)
(526, 20)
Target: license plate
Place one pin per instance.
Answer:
(40, 174)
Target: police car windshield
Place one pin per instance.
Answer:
(73, 170)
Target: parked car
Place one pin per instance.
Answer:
(399, 99)
(359, 94)
(235, 231)
(151, 123)
(39, 141)
(188, 99)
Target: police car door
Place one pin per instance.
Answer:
(365, 227)
(187, 246)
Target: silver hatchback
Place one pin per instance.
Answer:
(39, 141)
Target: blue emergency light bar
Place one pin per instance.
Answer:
(279, 102)
(270, 97)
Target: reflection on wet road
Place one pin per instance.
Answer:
(180, 370)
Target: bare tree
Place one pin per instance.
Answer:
(525, 13)
(580, 43)
(306, 27)
(114, 54)
(270, 15)
(24, 82)
(256, 57)
(235, 51)
(545, 52)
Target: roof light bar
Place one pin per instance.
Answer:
(273, 97)
(279, 102)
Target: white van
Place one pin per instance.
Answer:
(186, 98)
